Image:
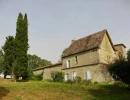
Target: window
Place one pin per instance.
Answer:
(76, 60)
(66, 77)
(87, 75)
(74, 75)
(67, 63)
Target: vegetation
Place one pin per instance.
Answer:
(63, 53)
(40, 90)
(34, 61)
(1, 61)
(120, 70)
(57, 76)
(9, 56)
(21, 39)
(15, 51)
(36, 77)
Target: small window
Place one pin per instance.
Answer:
(74, 75)
(76, 60)
(87, 74)
(67, 63)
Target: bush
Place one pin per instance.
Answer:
(95, 82)
(87, 82)
(57, 76)
(78, 79)
(36, 77)
(70, 81)
(39, 77)
(120, 70)
(119, 83)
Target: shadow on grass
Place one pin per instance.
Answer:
(109, 92)
(3, 92)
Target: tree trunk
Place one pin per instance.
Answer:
(5, 75)
(13, 78)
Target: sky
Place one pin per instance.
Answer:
(54, 23)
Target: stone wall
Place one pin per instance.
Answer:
(48, 70)
(98, 72)
(121, 50)
(37, 72)
(106, 52)
(84, 58)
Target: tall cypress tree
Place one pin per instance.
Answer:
(26, 46)
(21, 39)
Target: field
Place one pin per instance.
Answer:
(60, 91)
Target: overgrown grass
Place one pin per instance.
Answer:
(41, 90)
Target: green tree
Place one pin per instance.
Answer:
(63, 53)
(9, 56)
(120, 70)
(34, 61)
(1, 61)
(21, 39)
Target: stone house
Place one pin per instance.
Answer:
(87, 57)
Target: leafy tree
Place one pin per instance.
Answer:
(1, 61)
(34, 61)
(120, 70)
(9, 56)
(63, 53)
(21, 39)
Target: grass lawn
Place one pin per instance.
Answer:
(60, 91)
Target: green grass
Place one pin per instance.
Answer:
(60, 91)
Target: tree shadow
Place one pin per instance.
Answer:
(3, 92)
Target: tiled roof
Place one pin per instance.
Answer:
(53, 65)
(87, 43)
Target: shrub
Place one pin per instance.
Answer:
(36, 77)
(57, 76)
(87, 82)
(119, 83)
(95, 82)
(78, 79)
(70, 81)
(39, 77)
(120, 70)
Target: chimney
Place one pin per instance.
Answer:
(72, 41)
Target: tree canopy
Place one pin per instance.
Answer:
(34, 61)
(120, 70)
(1, 61)
(9, 55)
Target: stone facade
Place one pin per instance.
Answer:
(38, 71)
(98, 72)
(87, 58)
(49, 70)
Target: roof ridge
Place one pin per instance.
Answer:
(91, 34)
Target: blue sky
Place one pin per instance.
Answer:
(54, 23)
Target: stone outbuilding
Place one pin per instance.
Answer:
(87, 57)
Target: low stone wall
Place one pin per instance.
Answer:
(37, 72)
(48, 70)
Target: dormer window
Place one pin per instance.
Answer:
(76, 60)
(67, 63)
